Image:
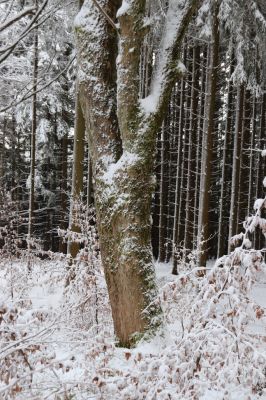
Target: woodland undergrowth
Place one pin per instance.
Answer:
(57, 340)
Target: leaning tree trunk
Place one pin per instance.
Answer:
(122, 137)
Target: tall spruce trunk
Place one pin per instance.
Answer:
(63, 191)
(191, 170)
(245, 157)
(122, 137)
(225, 165)
(203, 66)
(33, 138)
(233, 222)
(163, 191)
(207, 143)
(77, 174)
(178, 185)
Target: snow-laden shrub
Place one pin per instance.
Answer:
(85, 283)
(210, 347)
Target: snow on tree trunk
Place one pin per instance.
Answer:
(122, 137)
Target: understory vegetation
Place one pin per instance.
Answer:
(57, 338)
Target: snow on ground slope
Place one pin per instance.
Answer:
(57, 342)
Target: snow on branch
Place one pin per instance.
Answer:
(169, 66)
(17, 17)
(6, 51)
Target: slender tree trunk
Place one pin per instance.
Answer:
(245, 155)
(2, 163)
(63, 191)
(178, 186)
(261, 165)
(190, 191)
(77, 173)
(207, 145)
(225, 166)
(33, 138)
(89, 182)
(233, 222)
(252, 157)
(163, 191)
(199, 142)
(156, 205)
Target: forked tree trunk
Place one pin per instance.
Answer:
(122, 136)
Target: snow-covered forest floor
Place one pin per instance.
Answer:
(57, 341)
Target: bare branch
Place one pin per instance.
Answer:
(8, 50)
(17, 17)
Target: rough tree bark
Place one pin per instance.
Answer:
(122, 137)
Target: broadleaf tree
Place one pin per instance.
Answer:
(122, 130)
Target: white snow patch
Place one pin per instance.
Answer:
(149, 103)
(258, 204)
(123, 9)
(126, 159)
